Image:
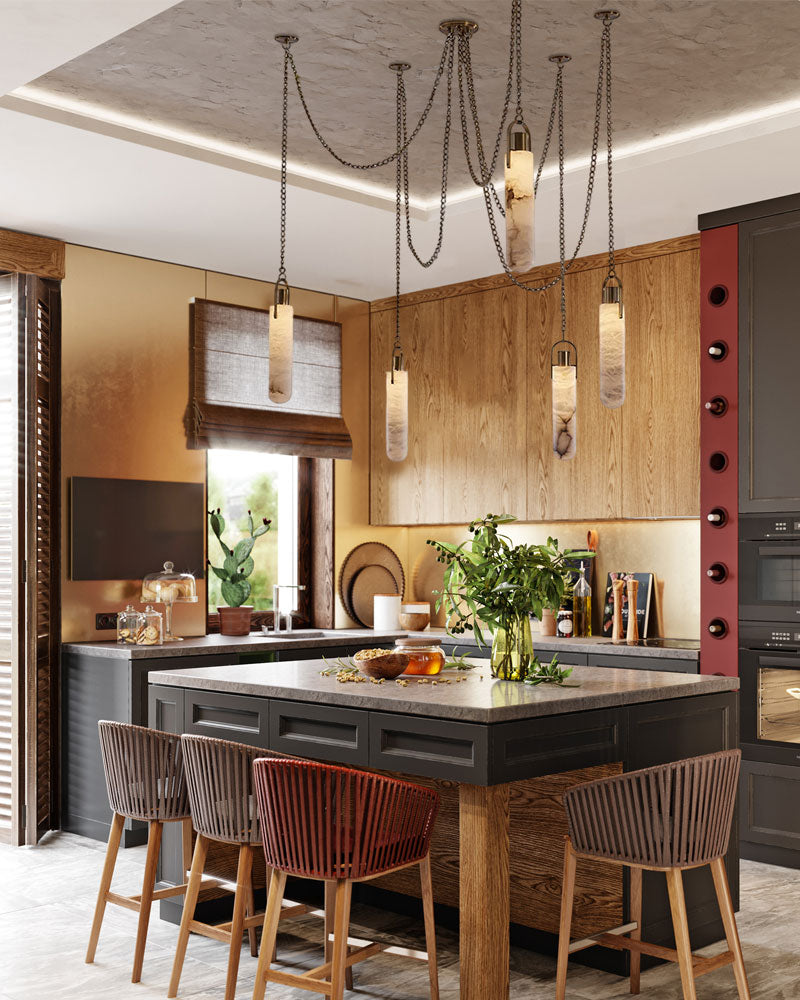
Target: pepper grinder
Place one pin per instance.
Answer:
(633, 622)
(617, 585)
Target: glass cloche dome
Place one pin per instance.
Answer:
(169, 587)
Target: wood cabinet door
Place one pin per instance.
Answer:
(409, 492)
(484, 385)
(661, 420)
(590, 484)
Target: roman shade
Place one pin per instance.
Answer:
(229, 404)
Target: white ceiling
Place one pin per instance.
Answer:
(108, 181)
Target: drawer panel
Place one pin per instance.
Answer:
(435, 748)
(320, 732)
(534, 747)
(228, 717)
(768, 802)
(665, 663)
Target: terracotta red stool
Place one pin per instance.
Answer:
(339, 826)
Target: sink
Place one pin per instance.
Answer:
(296, 633)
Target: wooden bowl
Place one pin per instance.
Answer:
(387, 667)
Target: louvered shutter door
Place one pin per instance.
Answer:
(42, 484)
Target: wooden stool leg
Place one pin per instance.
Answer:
(186, 846)
(341, 925)
(114, 837)
(636, 914)
(146, 901)
(729, 922)
(250, 911)
(243, 873)
(430, 924)
(189, 904)
(269, 933)
(565, 927)
(677, 904)
(330, 910)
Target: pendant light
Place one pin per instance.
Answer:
(612, 310)
(520, 168)
(397, 376)
(564, 354)
(281, 317)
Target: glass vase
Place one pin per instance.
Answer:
(512, 649)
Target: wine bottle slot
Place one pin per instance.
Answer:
(717, 516)
(718, 628)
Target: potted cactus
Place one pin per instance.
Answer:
(235, 618)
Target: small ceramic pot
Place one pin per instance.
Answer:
(235, 621)
(548, 626)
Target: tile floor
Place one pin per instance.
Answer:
(47, 896)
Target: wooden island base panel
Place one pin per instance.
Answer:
(501, 754)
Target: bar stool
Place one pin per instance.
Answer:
(223, 809)
(340, 826)
(668, 818)
(145, 781)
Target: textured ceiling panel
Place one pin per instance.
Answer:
(211, 67)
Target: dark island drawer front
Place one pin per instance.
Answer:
(626, 662)
(435, 748)
(770, 804)
(319, 732)
(227, 717)
(530, 748)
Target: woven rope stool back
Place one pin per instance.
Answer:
(330, 822)
(144, 772)
(673, 816)
(219, 775)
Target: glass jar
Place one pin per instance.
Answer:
(169, 587)
(151, 632)
(564, 625)
(425, 656)
(512, 649)
(129, 622)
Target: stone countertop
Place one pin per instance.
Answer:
(257, 642)
(473, 700)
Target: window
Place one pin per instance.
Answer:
(267, 485)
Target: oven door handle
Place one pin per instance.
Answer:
(779, 550)
(779, 661)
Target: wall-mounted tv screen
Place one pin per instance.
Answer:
(123, 529)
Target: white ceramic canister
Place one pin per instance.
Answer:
(386, 612)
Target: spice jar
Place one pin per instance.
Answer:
(564, 626)
(425, 656)
(129, 622)
(151, 632)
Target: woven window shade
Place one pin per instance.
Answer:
(229, 404)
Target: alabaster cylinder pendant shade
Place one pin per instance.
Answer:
(519, 210)
(565, 406)
(396, 415)
(281, 351)
(612, 348)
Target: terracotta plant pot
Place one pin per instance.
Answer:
(235, 621)
(548, 622)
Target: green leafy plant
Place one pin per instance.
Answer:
(550, 673)
(238, 563)
(488, 580)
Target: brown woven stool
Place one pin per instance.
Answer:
(668, 818)
(219, 776)
(145, 781)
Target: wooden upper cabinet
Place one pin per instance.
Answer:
(590, 484)
(409, 492)
(661, 422)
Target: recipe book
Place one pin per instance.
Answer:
(644, 601)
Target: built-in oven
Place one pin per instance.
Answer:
(769, 673)
(769, 568)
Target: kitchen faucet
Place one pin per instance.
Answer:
(276, 614)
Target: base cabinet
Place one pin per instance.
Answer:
(769, 806)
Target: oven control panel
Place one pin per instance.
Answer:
(753, 527)
(753, 636)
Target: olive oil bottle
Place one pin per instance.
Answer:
(582, 606)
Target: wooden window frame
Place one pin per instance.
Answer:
(315, 498)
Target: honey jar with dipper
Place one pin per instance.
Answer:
(425, 655)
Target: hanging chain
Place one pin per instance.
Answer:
(397, 349)
(284, 153)
(516, 30)
(445, 159)
(401, 149)
(561, 237)
(606, 48)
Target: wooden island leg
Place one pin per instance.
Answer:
(484, 892)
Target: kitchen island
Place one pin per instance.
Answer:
(487, 744)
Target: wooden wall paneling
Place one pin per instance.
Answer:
(589, 485)
(29, 254)
(484, 383)
(410, 492)
(661, 418)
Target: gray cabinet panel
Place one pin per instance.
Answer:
(533, 747)
(227, 717)
(769, 801)
(663, 731)
(321, 732)
(435, 748)
(626, 662)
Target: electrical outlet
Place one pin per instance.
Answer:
(104, 620)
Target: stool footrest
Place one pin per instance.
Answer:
(701, 963)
